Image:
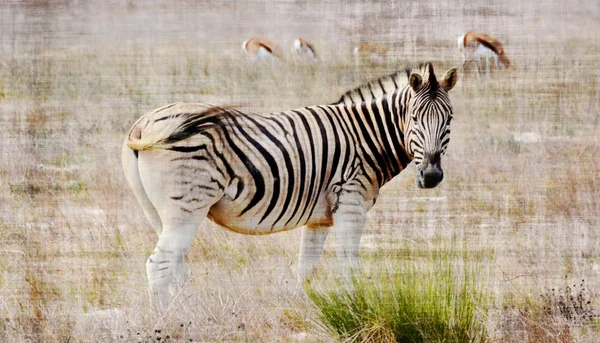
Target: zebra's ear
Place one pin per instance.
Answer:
(450, 79)
(415, 81)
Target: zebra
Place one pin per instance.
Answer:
(320, 167)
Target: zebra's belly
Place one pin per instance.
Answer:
(228, 214)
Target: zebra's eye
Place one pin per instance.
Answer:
(415, 122)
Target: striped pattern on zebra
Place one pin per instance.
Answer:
(320, 167)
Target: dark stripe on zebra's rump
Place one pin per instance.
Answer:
(194, 123)
(192, 127)
(204, 187)
(212, 179)
(187, 158)
(170, 116)
(187, 148)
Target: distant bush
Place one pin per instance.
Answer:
(405, 303)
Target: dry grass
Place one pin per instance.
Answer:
(520, 198)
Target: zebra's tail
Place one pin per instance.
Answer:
(152, 140)
(160, 129)
(146, 144)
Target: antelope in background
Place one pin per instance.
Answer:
(374, 51)
(483, 51)
(262, 49)
(304, 49)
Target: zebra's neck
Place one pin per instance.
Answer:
(379, 124)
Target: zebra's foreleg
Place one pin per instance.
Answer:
(348, 223)
(311, 245)
(166, 267)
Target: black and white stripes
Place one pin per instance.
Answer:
(317, 166)
(283, 165)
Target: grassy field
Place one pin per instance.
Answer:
(520, 199)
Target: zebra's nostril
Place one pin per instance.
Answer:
(430, 177)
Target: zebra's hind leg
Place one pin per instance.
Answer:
(313, 238)
(182, 188)
(348, 223)
(166, 267)
(129, 160)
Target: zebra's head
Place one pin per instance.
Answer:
(429, 113)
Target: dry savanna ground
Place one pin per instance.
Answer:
(520, 200)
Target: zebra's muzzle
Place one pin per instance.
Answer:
(430, 178)
(430, 174)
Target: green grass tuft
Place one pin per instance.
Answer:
(406, 302)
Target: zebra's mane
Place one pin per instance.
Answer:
(384, 85)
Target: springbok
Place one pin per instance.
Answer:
(304, 49)
(262, 49)
(373, 51)
(483, 51)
